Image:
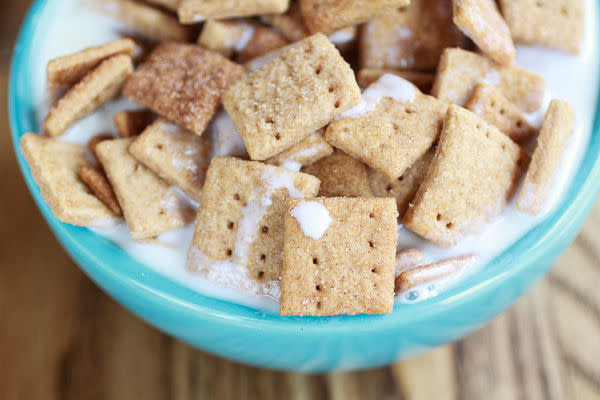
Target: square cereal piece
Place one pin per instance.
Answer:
(408, 258)
(340, 176)
(98, 87)
(422, 80)
(403, 188)
(392, 128)
(475, 171)
(290, 24)
(495, 109)
(460, 71)
(414, 277)
(553, 23)
(411, 37)
(175, 154)
(96, 180)
(281, 103)
(149, 204)
(182, 82)
(93, 142)
(307, 151)
(262, 41)
(132, 122)
(54, 165)
(328, 16)
(339, 256)
(226, 37)
(192, 11)
(481, 21)
(240, 217)
(557, 127)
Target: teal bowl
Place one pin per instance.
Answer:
(302, 343)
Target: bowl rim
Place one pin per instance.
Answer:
(162, 292)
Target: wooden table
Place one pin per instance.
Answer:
(62, 338)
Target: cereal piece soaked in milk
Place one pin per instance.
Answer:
(240, 218)
(422, 80)
(391, 128)
(557, 127)
(149, 204)
(177, 155)
(408, 258)
(474, 173)
(54, 165)
(95, 178)
(192, 11)
(226, 37)
(262, 41)
(132, 122)
(307, 151)
(339, 258)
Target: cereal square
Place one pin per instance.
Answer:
(182, 82)
(475, 171)
(262, 41)
(241, 214)
(392, 128)
(192, 11)
(553, 23)
(422, 80)
(420, 275)
(408, 258)
(149, 204)
(557, 127)
(177, 155)
(339, 256)
(54, 165)
(132, 122)
(226, 37)
(281, 103)
(95, 178)
(307, 151)
(460, 71)
(340, 176)
(290, 24)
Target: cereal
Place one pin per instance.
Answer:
(407, 259)
(290, 24)
(412, 37)
(392, 128)
(460, 71)
(182, 82)
(168, 4)
(495, 109)
(93, 142)
(132, 122)
(481, 21)
(96, 180)
(192, 11)
(413, 277)
(328, 16)
(99, 86)
(263, 41)
(553, 23)
(340, 175)
(475, 171)
(177, 155)
(54, 165)
(310, 149)
(278, 105)
(226, 37)
(241, 213)
(149, 204)
(422, 80)
(557, 127)
(350, 269)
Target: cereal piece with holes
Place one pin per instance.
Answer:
(240, 217)
(286, 100)
(475, 171)
(310, 149)
(339, 256)
(192, 11)
(182, 82)
(149, 204)
(226, 37)
(392, 128)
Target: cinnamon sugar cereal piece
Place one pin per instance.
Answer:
(412, 37)
(149, 204)
(263, 41)
(328, 16)
(182, 82)
(392, 128)
(553, 23)
(132, 122)
(475, 171)
(310, 149)
(54, 165)
(278, 105)
(481, 21)
(403, 188)
(226, 37)
(99, 86)
(290, 24)
(494, 108)
(339, 256)
(145, 19)
(422, 80)
(175, 154)
(192, 11)
(168, 4)
(413, 277)
(557, 127)
(407, 259)
(460, 71)
(340, 176)
(241, 214)
(93, 142)
(96, 180)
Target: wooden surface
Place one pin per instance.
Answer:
(62, 338)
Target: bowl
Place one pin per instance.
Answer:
(306, 344)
